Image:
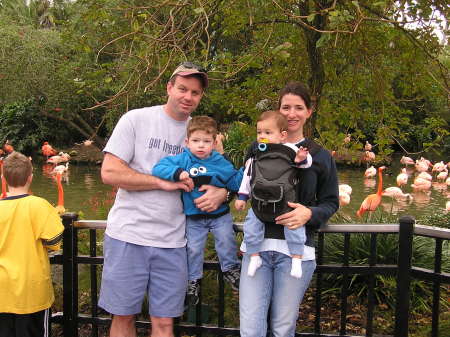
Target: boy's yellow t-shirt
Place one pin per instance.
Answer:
(29, 226)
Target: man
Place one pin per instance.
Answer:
(145, 241)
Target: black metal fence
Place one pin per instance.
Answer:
(71, 319)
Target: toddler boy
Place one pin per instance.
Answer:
(204, 166)
(272, 129)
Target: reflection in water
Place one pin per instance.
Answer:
(88, 194)
(369, 184)
(421, 198)
(89, 181)
(439, 187)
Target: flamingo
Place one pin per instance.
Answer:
(428, 162)
(64, 156)
(55, 160)
(370, 172)
(438, 167)
(48, 150)
(421, 165)
(372, 201)
(396, 193)
(402, 178)
(368, 146)
(421, 184)
(8, 147)
(61, 169)
(60, 206)
(425, 175)
(369, 156)
(4, 194)
(345, 189)
(442, 175)
(347, 138)
(407, 161)
(344, 199)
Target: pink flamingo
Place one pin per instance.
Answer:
(425, 175)
(407, 161)
(55, 160)
(369, 156)
(4, 193)
(421, 184)
(368, 146)
(372, 201)
(442, 175)
(438, 167)
(396, 193)
(344, 199)
(421, 165)
(48, 150)
(8, 147)
(345, 189)
(402, 178)
(370, 172)
(60, 206)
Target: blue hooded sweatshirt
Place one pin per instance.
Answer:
(214, 170)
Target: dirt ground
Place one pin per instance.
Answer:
(90, 154)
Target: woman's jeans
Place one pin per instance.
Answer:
(272, 286)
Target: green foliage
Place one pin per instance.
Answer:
(436, 220)
(238, 138)
(387, 251)
(23, 126)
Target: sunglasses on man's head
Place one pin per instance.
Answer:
(190, 65)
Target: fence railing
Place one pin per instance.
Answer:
(71, 319)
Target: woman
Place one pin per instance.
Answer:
(272, 285)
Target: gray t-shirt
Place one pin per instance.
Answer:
(150, 218)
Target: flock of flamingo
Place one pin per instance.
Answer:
(423, 171)
(59, 166)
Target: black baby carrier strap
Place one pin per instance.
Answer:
(273, 181)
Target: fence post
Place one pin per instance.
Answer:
(405, 240)
(69, 321)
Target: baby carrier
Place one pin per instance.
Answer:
(274, 179)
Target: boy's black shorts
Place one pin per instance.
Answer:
(26, 325)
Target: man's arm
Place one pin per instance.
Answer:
(116, 172)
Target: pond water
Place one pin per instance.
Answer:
(84, 191)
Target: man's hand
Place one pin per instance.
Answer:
(185, 185)
(212, 199)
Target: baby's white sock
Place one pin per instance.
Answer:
(255, 263)
(296, 269)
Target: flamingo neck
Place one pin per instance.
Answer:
(60, 190)
(380, 182)
(3, 196)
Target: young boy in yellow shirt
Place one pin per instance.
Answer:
(29, 226)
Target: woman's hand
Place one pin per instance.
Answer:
(212, 199)
(240, 205)
(295, 218)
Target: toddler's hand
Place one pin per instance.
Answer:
(239, 204)
(301, 154)
(184, 175)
